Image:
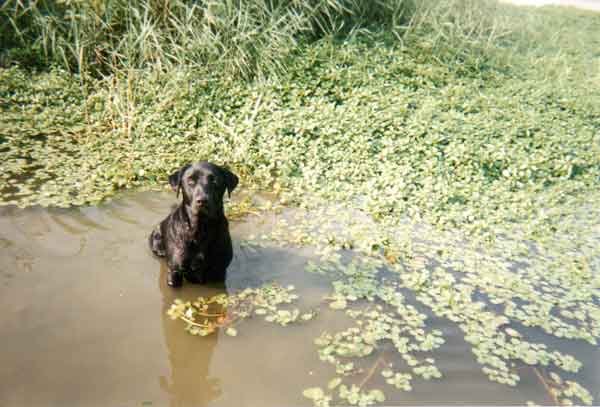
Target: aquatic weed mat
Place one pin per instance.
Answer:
(529, 312)
(362, 118)
(512, 300)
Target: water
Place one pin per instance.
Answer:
(83, 323)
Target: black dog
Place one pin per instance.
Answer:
(195, 236)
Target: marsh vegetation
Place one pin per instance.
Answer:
(443, 159)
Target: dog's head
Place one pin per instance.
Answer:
(203, 185)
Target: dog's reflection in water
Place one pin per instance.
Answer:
(189, 356)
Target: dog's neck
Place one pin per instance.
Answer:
(196, 221)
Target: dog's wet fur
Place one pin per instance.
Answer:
(195, 238)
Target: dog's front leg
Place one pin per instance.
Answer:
(176, 267)
(175, 278)
(197, 273)
(219, 257)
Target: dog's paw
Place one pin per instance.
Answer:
(175, 279)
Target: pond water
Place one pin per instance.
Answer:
(84, 322)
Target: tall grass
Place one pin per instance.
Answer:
(461, 29)
(259, 38)
(240, 37)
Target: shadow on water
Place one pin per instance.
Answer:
(84, 322)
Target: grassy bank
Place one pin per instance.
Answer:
(243, 38)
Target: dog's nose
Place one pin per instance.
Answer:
(202, 200)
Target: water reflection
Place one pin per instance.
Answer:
(190, 382)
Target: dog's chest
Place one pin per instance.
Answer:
(199, 238)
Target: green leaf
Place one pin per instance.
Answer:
(313, 393)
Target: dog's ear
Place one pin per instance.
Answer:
(175, 179)
(231, 180)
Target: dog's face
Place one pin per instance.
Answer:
(203, 185)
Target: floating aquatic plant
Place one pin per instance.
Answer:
(383, 318)
(494, 292)
(205, 315)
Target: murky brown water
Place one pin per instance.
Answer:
(83, 323)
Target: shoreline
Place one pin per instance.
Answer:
(590, 5)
